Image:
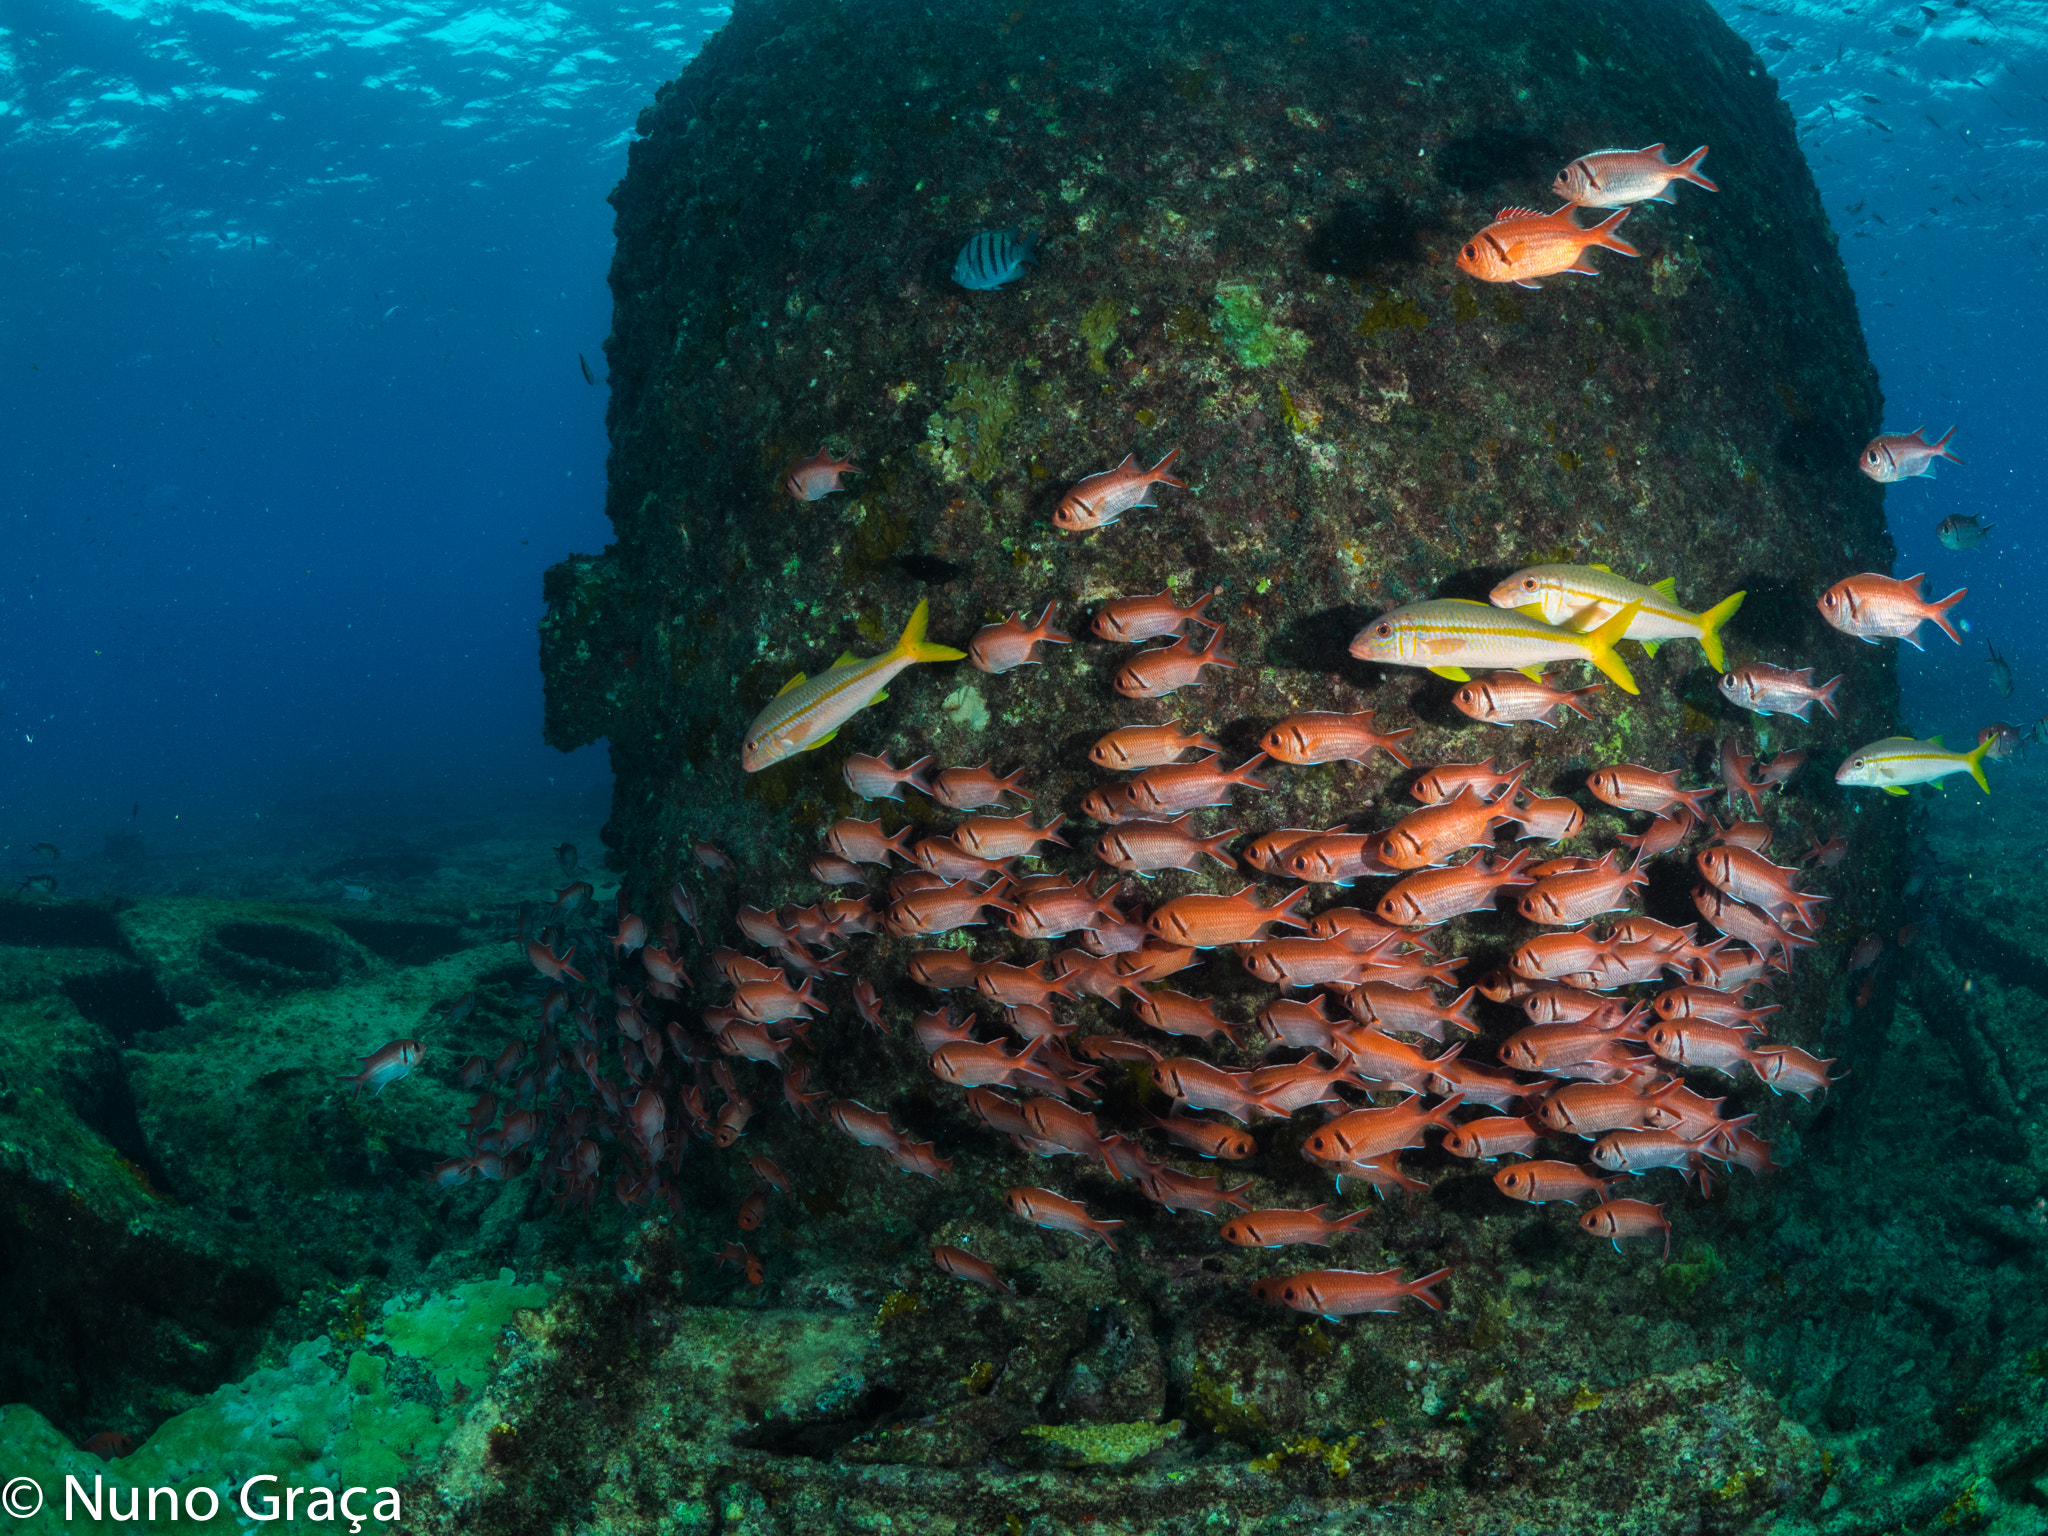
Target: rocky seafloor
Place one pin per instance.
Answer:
(1248, 222)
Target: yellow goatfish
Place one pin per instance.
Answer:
(808, 712)
(1582, 596)
(1449, 634)
(1897, 761)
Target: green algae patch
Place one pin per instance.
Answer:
(965, 436)
(456, 1334)
(1388, 311)
(1098, 329)
(1697, 1266)
(1102, 1445)
(1219, 1407)
(1245, 326)
(1187, 326)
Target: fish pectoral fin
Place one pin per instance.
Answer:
(821, 741)
(1455, 674)
(1667, 588)
(1892, 789)
(795, 682)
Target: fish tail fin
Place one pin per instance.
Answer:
(1419, 1288)
(1213, 652)
(1940, 446)
(1454, 1012)
(1159, 474)
(1826, 697)
(1603, 234)
(1688, 169)
(1600, 648)
(1710, 628)
(1241, 773)
(1050, 831)
(1974, 759)
(1349, 1223)
(913, 644)
(1571, 699)
(1939, 612)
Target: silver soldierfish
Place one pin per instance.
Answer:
(1959, 532)
(1770, 690)
(808, 712)
(1613, 178)
(1583, 596)
(1901, 455)
(1898, 761)
(1447, 635)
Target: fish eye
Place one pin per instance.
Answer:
(1529, 583)
(1384, 630)
(1471, 251)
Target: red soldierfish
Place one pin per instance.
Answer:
(1521, 245)
(1509, 698)
(1043, 1208)
(1769, 690)
(1131, 619)
(1100, 500)
(1616, 1219)
(1337, 1293)
(1141, 847)
(818, 476)
(1005, 837)
(1902, 455)
(968, 789)
(1874, 608)
(1629, 787)
(962, 1265)
(1000, 647)
(1172, 788)
(1322, 736)
(876, 778)
(1202, 921)
(1614, 178)
(1164, 669)
(1147, 746)
(1278, 1228)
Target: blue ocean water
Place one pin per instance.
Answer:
(294, 298)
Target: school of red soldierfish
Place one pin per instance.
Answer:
(1593, 1091)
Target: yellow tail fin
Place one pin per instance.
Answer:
(1976, 761)
(913, 644)
(1710, 628)
(1600, 648)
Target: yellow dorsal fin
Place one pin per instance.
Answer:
(1666, 589)
(844, 658)
(795, 682)
(1935, 741)
(1607, 568)
(1468, 602)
